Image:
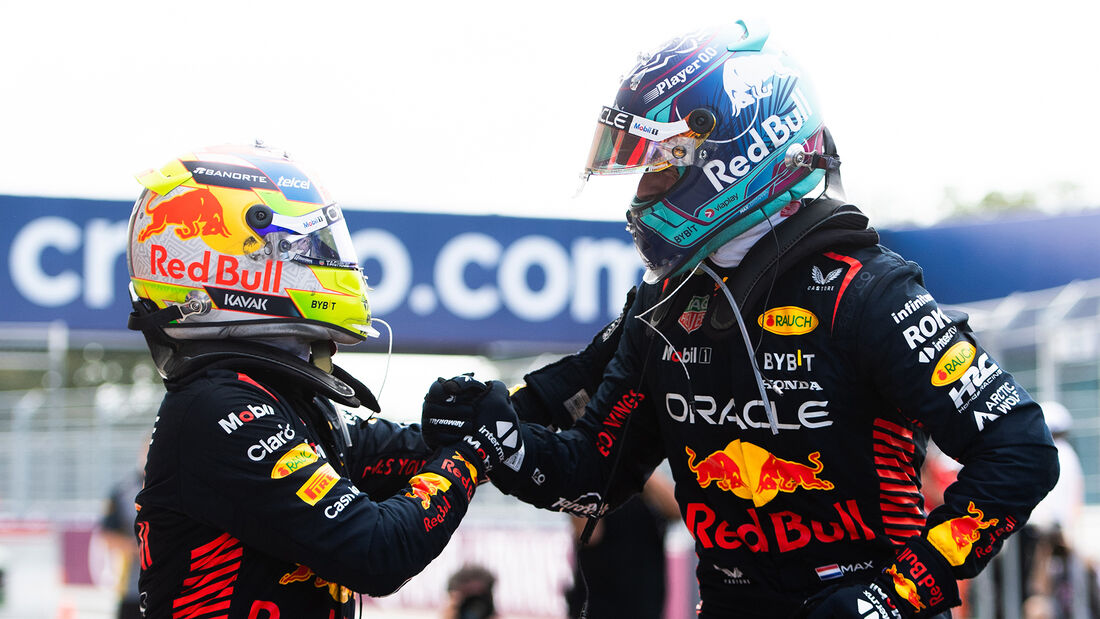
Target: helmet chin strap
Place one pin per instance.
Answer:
(321, 354)
(833, 187)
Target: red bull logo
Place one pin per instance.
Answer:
(752, 472)
(906, 588)
(719, 467)
(954, 538)
(304, 574)
(426, 485)
(194, 213)
(300, 574)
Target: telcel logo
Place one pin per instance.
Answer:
(296, 183)
(788, 320)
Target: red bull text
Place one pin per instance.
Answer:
(912, 578)
(784, 530)
(227, 271)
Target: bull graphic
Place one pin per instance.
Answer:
(719, 468)
(426, 485)
(786, 475)
(747, 79)
(194, 213)
(954, 538)
(905, 588)
(752, 472)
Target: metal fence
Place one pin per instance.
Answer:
(84, 409)
(1050, 341)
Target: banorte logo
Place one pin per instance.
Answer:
(426, 485)
(194, 213)
(752, 472)
(954, 538)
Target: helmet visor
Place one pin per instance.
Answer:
(317, 238)
(625, 143)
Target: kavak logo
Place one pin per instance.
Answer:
(693, 315)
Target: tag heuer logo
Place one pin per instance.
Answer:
(692, 318)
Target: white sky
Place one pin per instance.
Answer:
(488, 107)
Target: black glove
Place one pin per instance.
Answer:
(466, 412)
(919, 583)
(856, 602)
(555, 395)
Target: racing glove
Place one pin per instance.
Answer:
(468, 414)
(918, 583)
(555, 395)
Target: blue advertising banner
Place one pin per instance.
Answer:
(453, 283)
(981, 260)
(445, 283)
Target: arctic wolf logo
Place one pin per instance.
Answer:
(747, 79)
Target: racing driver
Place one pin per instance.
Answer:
(789, 368)
(260, 498)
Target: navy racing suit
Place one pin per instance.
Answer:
(817, 483)
(261, 500)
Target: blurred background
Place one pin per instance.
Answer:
(453, 135)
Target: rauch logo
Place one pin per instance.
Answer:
(788, 320)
